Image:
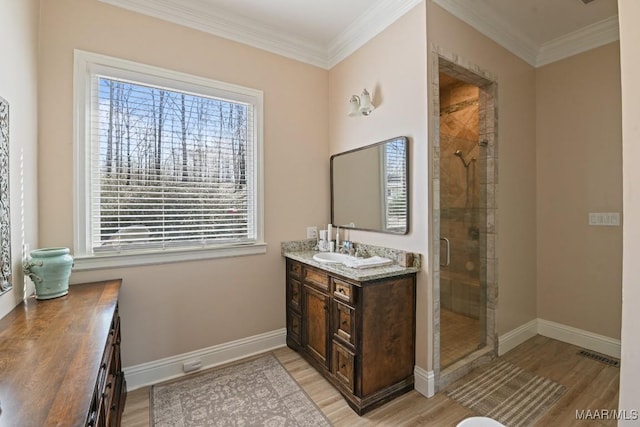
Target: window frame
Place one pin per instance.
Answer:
(85, 65)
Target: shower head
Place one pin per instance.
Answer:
(466, 163)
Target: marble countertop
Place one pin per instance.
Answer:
(360, 275)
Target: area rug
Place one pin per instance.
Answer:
(259, 392)
(508, 394)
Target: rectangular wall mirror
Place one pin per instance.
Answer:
(369, 187)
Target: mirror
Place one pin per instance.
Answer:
(369, 187)
(5, 225)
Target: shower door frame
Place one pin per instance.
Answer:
(457, 67)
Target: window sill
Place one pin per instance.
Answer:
(131, 259)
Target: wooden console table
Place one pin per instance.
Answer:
(60, 360)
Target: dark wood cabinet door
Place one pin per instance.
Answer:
(316, 324)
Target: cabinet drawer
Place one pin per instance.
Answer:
(294, 327)
(344, 322)
(294, 269)
(343, 291)
(343, 364)
(294, 294)
(316, 277)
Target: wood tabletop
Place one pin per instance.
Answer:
(50, 355)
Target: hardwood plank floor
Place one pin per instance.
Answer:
(590, 385)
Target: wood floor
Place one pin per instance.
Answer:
(590, 385)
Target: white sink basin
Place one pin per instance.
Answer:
(332, 257)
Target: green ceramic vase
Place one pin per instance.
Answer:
(49, 269)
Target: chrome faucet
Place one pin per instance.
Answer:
(347, 247)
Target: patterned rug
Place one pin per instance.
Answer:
(259, 392)
(508, 394)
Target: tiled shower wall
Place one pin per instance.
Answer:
(460, 196)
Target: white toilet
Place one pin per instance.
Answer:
(479, 422)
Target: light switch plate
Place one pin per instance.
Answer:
(312, 232)
(611, 219)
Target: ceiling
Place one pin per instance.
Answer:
(318, 20)
(323, 32)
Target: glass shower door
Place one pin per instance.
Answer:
(462, 293)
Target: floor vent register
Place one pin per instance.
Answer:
(600, 358)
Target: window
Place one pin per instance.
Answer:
(394, 175)
(168, 165)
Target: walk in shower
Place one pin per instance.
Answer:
(465, 234)
(462, 317)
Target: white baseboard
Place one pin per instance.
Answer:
(579, 337)
(171, 367)
(514, 338)
(424, 382)
(560, 332)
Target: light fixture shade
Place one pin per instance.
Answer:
(354, 106)
(366, 107)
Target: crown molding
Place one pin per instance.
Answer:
(590, 37)
(371, 23)
(493, 27)
(537, 55)
(201, 17)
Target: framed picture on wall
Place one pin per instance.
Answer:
(5, 217)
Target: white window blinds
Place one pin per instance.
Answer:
(395, 185)
(169, 168)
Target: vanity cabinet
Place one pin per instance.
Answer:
(359, 334)
(61, 360)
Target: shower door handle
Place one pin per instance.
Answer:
(448, 261)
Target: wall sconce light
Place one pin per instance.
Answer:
(361, 105)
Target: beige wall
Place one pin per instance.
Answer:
(517, 166)
(175, 308)
(19, 85)
(392, 66)
(579, 161)
(629, 13)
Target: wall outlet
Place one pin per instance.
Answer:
(192, 365)
(312, 232)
